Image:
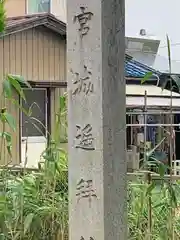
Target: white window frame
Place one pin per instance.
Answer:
(27, 11)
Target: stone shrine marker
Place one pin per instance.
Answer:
(96, 120)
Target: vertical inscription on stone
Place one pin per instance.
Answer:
(84, 138)
(85, 190)
(96, 136)
(82, 238)
(82, 82)
(83, 19)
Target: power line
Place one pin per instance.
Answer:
(173, 44)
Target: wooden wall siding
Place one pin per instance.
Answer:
(37, 55)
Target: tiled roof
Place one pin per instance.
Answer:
(136, 69)
(19, 23)
(22, 19)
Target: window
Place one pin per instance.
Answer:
(38, 6)
(36, 103)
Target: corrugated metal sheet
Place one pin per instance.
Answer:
(138, 70)
(156, 97)
(37, 54)
(151, 91)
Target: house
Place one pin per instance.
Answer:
(135, 71)
(143, 48)
(148, 113)
(34, 46)
(146, 40)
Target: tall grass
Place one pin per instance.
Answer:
(162, 197)
(33, 205)
(157, 204)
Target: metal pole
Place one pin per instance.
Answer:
(154, 113)
(145, 123)
(131, 120)
(153, 125)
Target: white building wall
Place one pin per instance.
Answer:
(58, 8)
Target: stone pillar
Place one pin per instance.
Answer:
(96, 120)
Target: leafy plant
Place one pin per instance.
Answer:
(34, 205)
(160, 192)
(2, 16)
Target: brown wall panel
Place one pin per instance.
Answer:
(15, 7)
(38, 55)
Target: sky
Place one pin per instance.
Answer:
(159, 18)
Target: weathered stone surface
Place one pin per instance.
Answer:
(96, 101)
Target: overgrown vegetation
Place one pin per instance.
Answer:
(163, 197)
(34, 205)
